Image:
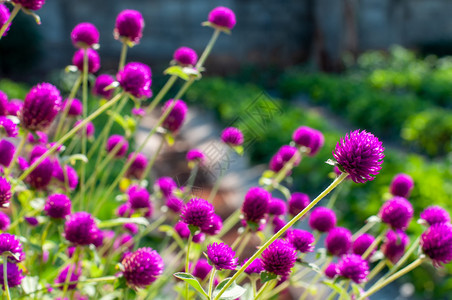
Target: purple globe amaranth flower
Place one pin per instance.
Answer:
(10, 128)
(38, 137)
(197, 212)
(32, 221)
(221, 256)
(278, 223)
(138, 165)
(277, 207)
(176, 117)
(166, 185)
(182, 230)
(283, 156)
(195, 155)
(102, 81)
(131, 227)
(80, 228)
(142, 267)
(41, 106)
(174, 204)
(5, 192)
(135, 79)
(360, 154)
(298, 202)
(3, 100)
(401, 185)
(74, 271)
(279, 257)
(124, 242)
(215, 226)
(353, 267)
(93, 60)
(139, 197)
(85, 35)
(37, 151)
(338, 241)
(11, 243)
(436, 243)
(322, 219)
(89, 127)
(138, 111)
(362, 243)
(13, 275)
(15, 107)
(129, 25)
(396, 212)
(256, 267)
(58, 206)
(255, 206)
(199, 238)
(41, 176)
(125, 210)
(223, 17)
(202, 269)
(185, 56)
(302, 240)
(309, 138)
(394, 245)
(68, 175)
(232, 136)
(119, 143)
(331, 270)
(7, 151)
(4, 221)
(4, 16)
(435, 214)
(30, 4)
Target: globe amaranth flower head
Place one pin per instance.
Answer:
(195, 155)
(4, 221)
(80, 229)
(277, 207)
(362, 243)
(7, 151)
(394, 245)
(182, 230)
(302, 240)
(202, 269)
(102, 81)
(15, 107)
(85, 35)
(279, 257)
(142, 267)
(73, 272)
(331, 270)
(396, 212)
(38, 137)
(198, 212)
(322, 219)
(185, 56)
(297, 202)
(256, 267)
(3, 102)
(338, 241)
(119, 143)
(176, 117)
(139, 197)
(41, 105)
(435, 214)
(309, 138)
(58, 206)
(75, 107)
(255, 206)
(30, 4)
(93, 60)
(436, 243)
(360, 154)
(221, 256)
(138, 165)
(284, 155)
(222, 17)
(215, 226)
(5, 192)
(232, 136)
(4, 16)
(129, 25)
(11, 243)
(401, 185)
(278, 222)
(166, 185)
(41, 176)
(353, 267)
(13, 275)
(136, 78)
(67, 176)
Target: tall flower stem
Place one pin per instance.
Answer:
(85, 114)
(317, 277)
(331, 187)
(72, 268)
(70, 98)
(240, 238)
(13, 14)
(191, 180)
(5, 276)
(163, 91)
(152, 162)
(363, 230)
(187, 262)
(378, 286)
(216, 186)
(208, 48)
(284, 171)
(17, 152)
(211, 281)
(263, 289)
(376, 269)
(229, 223)
(122, 58)
(374, 244)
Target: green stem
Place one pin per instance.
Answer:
(363, 230)
(191, 181)
(153, 160)
(229, 223)
(13, 14)
(374, 244)
(335, 183)
(72, 268)
(211, 281)
(285, 170)
(207, 50)
(376, 269)
(17, 152)
(240, 238)
(122, 58)
(85, 113)
(5, 276)
(317, 277)
(71, 97)
(263, 289)
(44, 234)
(161, 94)
(216, 186)
(149, 229)
(187, 263)
(253, 286)
(184, 88)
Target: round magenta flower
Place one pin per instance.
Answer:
(85, 35)
(353, 267)
(166, 185)
(38, 137)
(255, 206)
(80, 228)
(32, 221)
(139, 197)
(177, 115)
(185, 56)
(302, 240)
(41, 176)
(13, 275)
(277, 207)
(4, 221)
(3, 100)
(222, 17)
(298, 202)
(278, 222)
(197, 212)
(215, 226)
(37, 151)
(135, 79)
(69, 175)
(102, 81)
(309, 138)
(394, 245)
(322, 219)
(142, 267)
(15, 107)
(221, 256)
(129, 25)
(174, 204)
(202, 269)
(182, 230)
(11, 243)
(396, 212)
(138, 166)
(279, 258)
(58, 206)
(41, 106)
(195, 155)
(284, 154)
(4, 16)
(435, 214)
(256, 267)
(338, 241)
(9, 127)
(93, 60)
(132, 228)
(7, 151)
(5, 191)
(30, 4)
(124, 243)
(115, 141)
(360, 154)
(232, 136)
(89, 128)
(362, 243)
(331, 270)
(401, 185)
(125, 210)
(74, 271)
(436, 243)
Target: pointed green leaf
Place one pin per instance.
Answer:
(239, 150)
(266, 276)
(339, 289)
(233, 292)
(178, 71)
(191, 280)
(169, 139)
(121, 221)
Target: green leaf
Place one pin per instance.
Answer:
(191, 280)
(178, 71)
(121, 221)
(120, 283)
(311, 266)
(339, 289)
(73, 158)
(285, 191)
(169, 138)
(233, 292)
(268, 174)
(266, 276)
(119, 119)
(239, 150)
